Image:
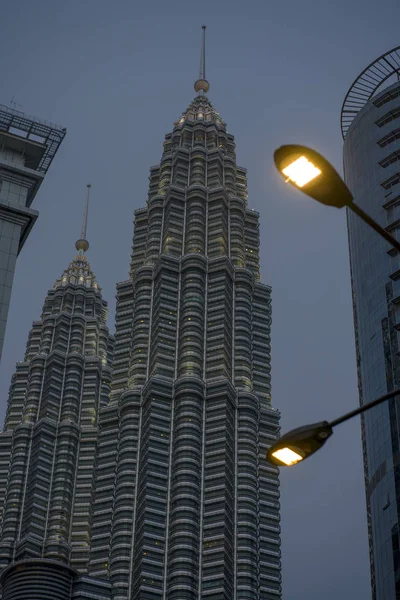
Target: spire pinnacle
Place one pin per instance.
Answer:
(202, 86)
(82, 244)
(202, 72)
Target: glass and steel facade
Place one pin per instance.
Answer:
(149, 481)
(49, 442)
(186, 506)
(372, 172)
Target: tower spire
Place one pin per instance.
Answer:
(82, 244)
(201, 85)
(202, 73)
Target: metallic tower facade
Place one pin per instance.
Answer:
(370, 125)
(27, 147)
(48, 446)
(186, 506)
(150, 481)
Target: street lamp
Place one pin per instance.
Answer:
(298, 444)
(311, 173)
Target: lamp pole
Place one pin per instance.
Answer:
(364, 407)
(312, 174)
(370, 221)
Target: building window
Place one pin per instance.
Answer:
(391, 95)
(389, 138)
(389, 160)
(392, 181)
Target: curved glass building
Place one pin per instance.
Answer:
(371, 131)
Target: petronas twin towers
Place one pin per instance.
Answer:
(133, 467)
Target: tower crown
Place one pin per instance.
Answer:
(200, 109)
(79, 271)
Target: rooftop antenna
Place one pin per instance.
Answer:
(201, 85)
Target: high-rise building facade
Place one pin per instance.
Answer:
(371, 131)
(27, 147)
(186, 506)
(48, 446)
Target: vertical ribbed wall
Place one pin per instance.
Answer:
(47, 580)
(50, 433)
(186, 506)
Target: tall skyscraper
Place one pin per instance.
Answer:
(186, 506)
(371, 131)
(27, 147)
(48, 446)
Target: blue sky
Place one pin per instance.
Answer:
(117, 75)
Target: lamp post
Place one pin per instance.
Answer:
(298, 444)
(312, 174)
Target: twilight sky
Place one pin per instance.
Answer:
(117, 75)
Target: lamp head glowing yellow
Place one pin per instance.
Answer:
(301, 171)
(310, 172)
(287, 456)
(298, 444)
